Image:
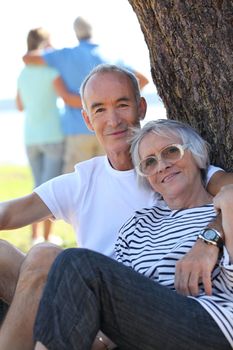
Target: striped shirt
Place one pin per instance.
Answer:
(154, 239)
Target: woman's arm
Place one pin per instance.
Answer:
(69, 98)
(19, 103)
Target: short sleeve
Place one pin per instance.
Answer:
(211, 171)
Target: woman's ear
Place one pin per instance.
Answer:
(87, 120)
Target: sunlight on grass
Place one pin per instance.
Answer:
(16, 181)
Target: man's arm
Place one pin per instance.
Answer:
(197, 265)
(223, 202)
(70, 99)
(218, 180)
(34, 57)
(22, 211)
(143, 81)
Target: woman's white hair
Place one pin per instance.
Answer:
(167, 128)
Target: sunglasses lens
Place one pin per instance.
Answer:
(148, 165)
(171, 153)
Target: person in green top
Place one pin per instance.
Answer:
(38, 90)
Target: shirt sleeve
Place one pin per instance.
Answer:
(54, 58)
(211, 171)
(59, 196)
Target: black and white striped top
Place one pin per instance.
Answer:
(154, 239)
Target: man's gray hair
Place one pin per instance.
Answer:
(82, 28)
(167, 128)
(109, 68)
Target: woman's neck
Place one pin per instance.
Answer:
(190, 199)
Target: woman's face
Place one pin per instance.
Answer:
(170, 179)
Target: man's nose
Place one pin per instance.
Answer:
(113, 118)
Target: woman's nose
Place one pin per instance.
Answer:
(163, 164)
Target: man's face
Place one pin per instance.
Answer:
(112, 109)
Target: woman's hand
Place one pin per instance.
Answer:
(196, 266)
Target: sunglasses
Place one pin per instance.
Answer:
(171, 153)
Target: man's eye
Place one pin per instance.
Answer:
(123, 105)
(99, 110)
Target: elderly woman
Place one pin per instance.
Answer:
(136, 303)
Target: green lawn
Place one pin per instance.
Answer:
(16, 181)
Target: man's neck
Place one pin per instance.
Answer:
(120, 161)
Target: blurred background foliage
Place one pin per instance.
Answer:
(16, 181)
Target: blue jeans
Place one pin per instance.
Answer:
(46, 161)
(87, 291)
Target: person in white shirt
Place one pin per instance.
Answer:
(95, 199)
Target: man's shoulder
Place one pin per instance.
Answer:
(90, 164)
(57, 52)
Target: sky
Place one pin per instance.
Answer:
(115, 28)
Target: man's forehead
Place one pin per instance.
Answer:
(102, 84)
(108, 77)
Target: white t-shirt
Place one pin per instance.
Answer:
(97, 200)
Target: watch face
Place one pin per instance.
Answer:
(209, 234)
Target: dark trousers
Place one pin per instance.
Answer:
(87, 291)
(3, 310)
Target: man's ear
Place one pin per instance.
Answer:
(87, 120)
(142, 108)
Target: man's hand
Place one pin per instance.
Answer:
(195, 267)
(97, 345)
(102, 342)
(34, 57)
(223, 202)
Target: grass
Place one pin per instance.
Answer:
(16, 181)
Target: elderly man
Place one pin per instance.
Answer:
(96, 199)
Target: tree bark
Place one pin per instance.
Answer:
(191, 54)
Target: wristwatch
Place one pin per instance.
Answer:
(211, 236)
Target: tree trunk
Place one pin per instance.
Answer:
(191, 50)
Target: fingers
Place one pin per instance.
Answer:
(206, 280)
(186, 279)
(195, 268)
